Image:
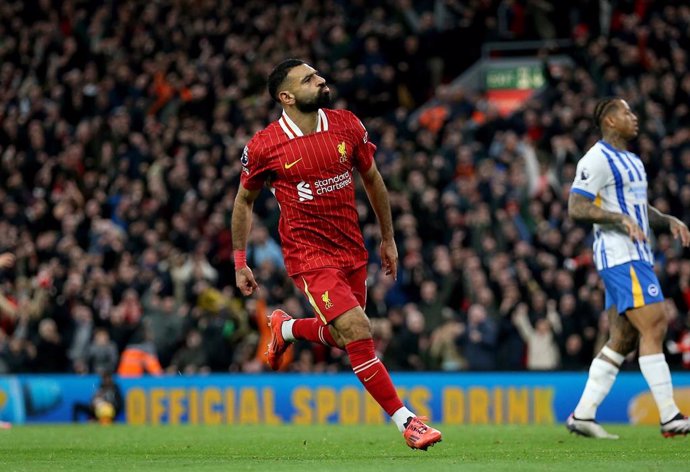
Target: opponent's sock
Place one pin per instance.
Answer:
(310, 329)
(658, 377)
(374, 376)
(602, 375)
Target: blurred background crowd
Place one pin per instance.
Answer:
(121, 128)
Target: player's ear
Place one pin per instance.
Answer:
(286, 98)
(608, 120)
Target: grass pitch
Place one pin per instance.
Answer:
(332, 448)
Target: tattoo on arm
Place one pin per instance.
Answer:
(583, 210)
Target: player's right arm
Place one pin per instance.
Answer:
(583, 210)
(241, 224)
(591, 176)
(252, 180)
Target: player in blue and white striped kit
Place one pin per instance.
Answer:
(610, 191)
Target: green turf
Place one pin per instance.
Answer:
(332, 448)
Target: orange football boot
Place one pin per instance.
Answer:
(420, 436)
(278, 345)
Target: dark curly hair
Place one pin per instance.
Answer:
(278, 74)
(602, 108)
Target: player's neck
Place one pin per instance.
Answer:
(307, 122)
(616, 140)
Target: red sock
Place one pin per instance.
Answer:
(373, 374)
(313, 330)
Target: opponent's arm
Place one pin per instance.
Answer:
(241, 224)
(583, 210)
(662, 221)
(378, 196)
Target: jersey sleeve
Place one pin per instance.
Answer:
(590, 177)
(364, 149)
(254, 171)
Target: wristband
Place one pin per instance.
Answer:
(240, 257)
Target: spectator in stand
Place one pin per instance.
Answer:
(140, 358)
(264, 249)
(102, 354)
(191, 358)
(6, 260)
(478, 340)
(542, 345)
(81, 338)
(51, 352)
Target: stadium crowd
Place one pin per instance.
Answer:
(121, 128)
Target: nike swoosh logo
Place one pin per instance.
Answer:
(287, 166)
(366, 379)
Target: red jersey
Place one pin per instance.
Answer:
(312, 178)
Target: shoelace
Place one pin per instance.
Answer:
(417, 425)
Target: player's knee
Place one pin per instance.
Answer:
(658, 329)
(623, 345)
(654, 329)
(336, 336)
(359, 329)
(353, 326)
(630, 344)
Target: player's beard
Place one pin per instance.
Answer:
(321, 100)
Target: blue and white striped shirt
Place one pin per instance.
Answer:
(616, 181)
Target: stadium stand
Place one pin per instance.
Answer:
(121, 128)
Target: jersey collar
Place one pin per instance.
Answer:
(610, 148)
(292, 130)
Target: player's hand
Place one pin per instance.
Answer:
(7, 260)
(633, 229)
(245, 281)
(389, 257)
(679, 230)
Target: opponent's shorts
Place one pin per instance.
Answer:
(331, 291)
(631, 285)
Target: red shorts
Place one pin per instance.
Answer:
(331, 292)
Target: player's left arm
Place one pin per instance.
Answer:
(378, 196)
(662, 221)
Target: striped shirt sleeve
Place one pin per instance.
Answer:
(364, 149)
(591, 176)
(254, 172)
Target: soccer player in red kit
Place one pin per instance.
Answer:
(308, 158)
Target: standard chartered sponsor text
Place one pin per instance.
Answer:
(333, 183)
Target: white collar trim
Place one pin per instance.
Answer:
(322, 125)
(292, 130)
